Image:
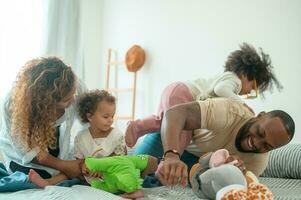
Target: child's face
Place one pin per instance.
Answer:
(246, 85)
(102, 119)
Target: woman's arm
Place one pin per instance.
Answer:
(70, 168)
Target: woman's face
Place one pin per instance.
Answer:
(68, 100)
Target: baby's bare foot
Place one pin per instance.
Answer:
(134, 195)
(36, 179)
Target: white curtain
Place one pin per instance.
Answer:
(34, 28)
(62, 33)
(20, 37)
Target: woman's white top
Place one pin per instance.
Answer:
(226, 85)
(12, 150)
(87, 146)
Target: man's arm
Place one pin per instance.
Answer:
(172, 170)
(180, 117)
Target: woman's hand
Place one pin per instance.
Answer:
(172, 171)
(71, 168)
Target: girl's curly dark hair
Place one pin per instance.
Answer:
(88, 102)
(40, 85)
(257, 67)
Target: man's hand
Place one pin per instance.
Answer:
(172, 171)
(237, 162)
(186, 116)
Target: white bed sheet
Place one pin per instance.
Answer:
(76, 192)
(79, 192)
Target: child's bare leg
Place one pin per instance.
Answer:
(152, 166)
(134, 195)
(57, 179)
(36, 179)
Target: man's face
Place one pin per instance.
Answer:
(262, 134)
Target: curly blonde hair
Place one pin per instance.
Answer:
(40, 85)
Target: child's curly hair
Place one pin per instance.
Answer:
(88, 102)
(40, 85)
(248, 62)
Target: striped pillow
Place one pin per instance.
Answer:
(284, 162)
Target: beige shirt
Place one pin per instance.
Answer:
(221, 120)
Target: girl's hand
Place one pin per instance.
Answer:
(95, 175)
(85, 170)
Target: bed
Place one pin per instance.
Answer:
(283, 189)
(282, 176)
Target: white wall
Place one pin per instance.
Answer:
(186, 39)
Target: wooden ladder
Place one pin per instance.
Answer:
(115, 63)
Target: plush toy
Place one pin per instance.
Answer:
(120, 174)
(212, 178)
(253, 191)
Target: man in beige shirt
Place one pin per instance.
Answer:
(221, 123)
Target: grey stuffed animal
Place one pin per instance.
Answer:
(206, 180)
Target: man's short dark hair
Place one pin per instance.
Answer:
(287, 121)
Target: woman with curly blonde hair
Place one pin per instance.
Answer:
(38, 115)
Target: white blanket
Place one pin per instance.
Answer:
(79, 192)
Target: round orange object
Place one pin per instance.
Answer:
(135, 58)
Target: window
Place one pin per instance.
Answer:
(21, 28)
